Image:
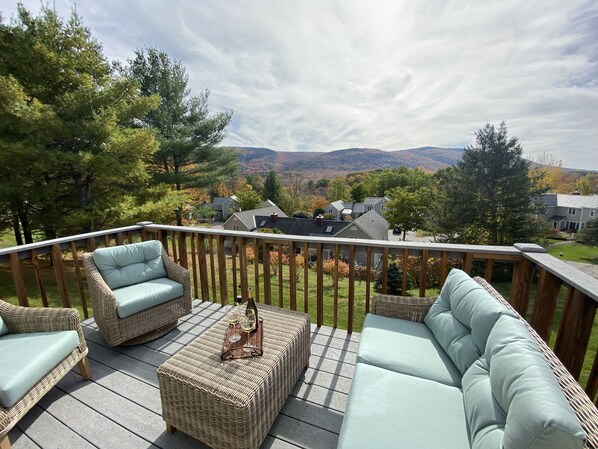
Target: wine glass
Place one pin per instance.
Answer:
(232, 315)
(248, 324)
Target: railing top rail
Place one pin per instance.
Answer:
(569, 274)
(434, 247)
(73, 238)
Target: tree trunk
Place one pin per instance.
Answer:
(27, 233)
(16, 227)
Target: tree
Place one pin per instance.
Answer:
(338, 190)
(248, 199)
(189, 155)
(380, 182)
(491, 191)
(255, 181)
(588, 184)
(589, 234)
(204, 212)
(407, 209)
(272, 188)
(69, 152)
(358, 192)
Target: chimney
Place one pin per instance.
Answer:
(273, 217)
(320, 221)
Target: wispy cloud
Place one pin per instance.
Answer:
(322, 75)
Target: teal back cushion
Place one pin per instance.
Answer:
(121, 266)
(462, 317)
(512, 399)
(3, 327)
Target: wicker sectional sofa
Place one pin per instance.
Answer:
(461, 371)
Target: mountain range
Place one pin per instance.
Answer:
(316, 165)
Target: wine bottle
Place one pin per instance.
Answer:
(238, 300)
(251, 305)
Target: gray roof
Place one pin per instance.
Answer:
(574, 201)
(222, 200)
(373, 199)
(338, 205)
(302, 226)
(374, 225)
(247, 217)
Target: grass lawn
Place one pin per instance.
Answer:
(7, 239)
(575, 252)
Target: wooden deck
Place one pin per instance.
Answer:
(120, 407)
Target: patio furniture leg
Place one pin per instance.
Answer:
(5, 442)
(84, 368)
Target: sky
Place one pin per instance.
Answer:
(322, 75)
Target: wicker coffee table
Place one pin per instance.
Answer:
(232, 404)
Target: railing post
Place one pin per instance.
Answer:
(574, 331)
(17, 278)
(549, 287)
(423, 273)
(143, 232)
(38, 277)
(60, 276)
(222, 270)
(319, 285)
(292, 277)
(523, 277)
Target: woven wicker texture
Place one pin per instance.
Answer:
(143, 326)
(415, 309)
(23, 320)
(232, 404)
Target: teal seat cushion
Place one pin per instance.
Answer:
(406, 347)
(512, 398)
(462, 317)
(3, 327)
(135, 298)
(26, 358)
(386, 409)
(130, 264)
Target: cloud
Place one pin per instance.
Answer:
(315, 75)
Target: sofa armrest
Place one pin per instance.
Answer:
(405, 307)
(41, 319)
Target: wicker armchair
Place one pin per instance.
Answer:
(20, 320)
(145, 325)
(415, 309)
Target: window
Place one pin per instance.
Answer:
(368, 208)
(235, 228)
(592, 213)
(329, 229)
(571, 211)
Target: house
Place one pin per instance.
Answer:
(569, 212)
(371, 226)
(347, 211)
(224, 207)
(246, 220)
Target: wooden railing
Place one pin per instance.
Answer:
(332, 279)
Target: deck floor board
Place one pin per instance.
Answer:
(120, 406)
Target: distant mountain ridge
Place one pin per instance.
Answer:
(315, 165)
